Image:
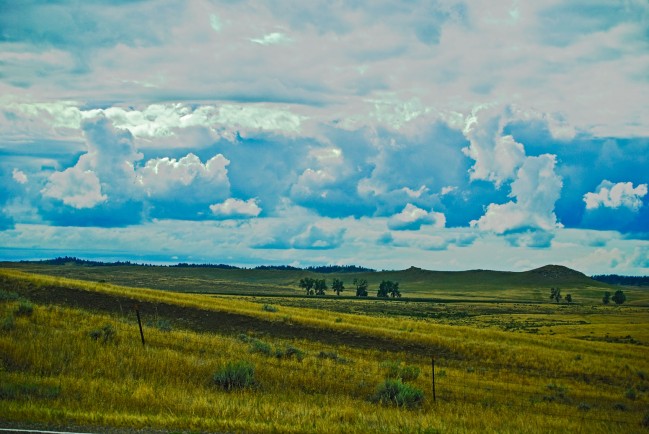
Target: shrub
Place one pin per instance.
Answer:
(332, 355)
(396, 371)
(8, 295)
(269, 308)
(620, 406)
(235, 375)
(583, 406)
(8, 323)
(25, 308)
(257, 346)
(409, 373)
(631, 394)
(290, 352)
(395, 392)
(106, 334)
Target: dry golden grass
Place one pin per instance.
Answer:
(53, 371)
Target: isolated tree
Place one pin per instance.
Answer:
(607, 298)
(555, 294)
(619, 297)
(569, 298)
(307, 283)
(337, 286)
(320, 286)
(361, 287)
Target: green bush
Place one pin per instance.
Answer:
(395, 392)
(235, 375)
(269, 308)
(25, 308)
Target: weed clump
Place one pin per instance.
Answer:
(289, 352)
(332, 355)
(395, 370)
(261, 347)
(7, 324)
(105, 334)
(8, 295)
(269, 308)
(25, 308)
(395, 392)
(235, 375)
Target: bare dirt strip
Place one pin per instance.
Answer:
(203, 320)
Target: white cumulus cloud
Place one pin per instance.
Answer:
(535, 191)
(610, 195)
(19, 176)
(412, 218)
(76, 187)
(161, 176)
(236, 208)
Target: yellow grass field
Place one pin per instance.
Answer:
(507, 369)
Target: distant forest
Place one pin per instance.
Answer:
(316, 269)
(615, 279)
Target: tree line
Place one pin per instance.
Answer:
(387, 288)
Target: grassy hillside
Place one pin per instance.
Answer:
(72, 356)
(531, 285)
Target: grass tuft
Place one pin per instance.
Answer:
(235, 375)
(395, 392)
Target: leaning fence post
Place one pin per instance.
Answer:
(432, 362)
(139, 322)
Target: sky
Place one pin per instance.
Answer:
(446, 135)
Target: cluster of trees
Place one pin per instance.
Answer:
(312, 286)
(555, 294)
(618, 297)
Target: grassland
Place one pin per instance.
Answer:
(73, 356)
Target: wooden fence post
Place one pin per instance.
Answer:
(139, 322)
(432, 362)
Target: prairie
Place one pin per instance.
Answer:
(71, 355)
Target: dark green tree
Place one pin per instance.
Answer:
(307, 284)
(607, 298)
(337, 286)
(361, 287)
(388, 288)
(619, 297)
(384, 288)
(569, 298)
(555, 294)
(320, 286)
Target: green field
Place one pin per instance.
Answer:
(507, 359)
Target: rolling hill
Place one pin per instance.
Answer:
(414, 282)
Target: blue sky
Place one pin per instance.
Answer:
(441, 134)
